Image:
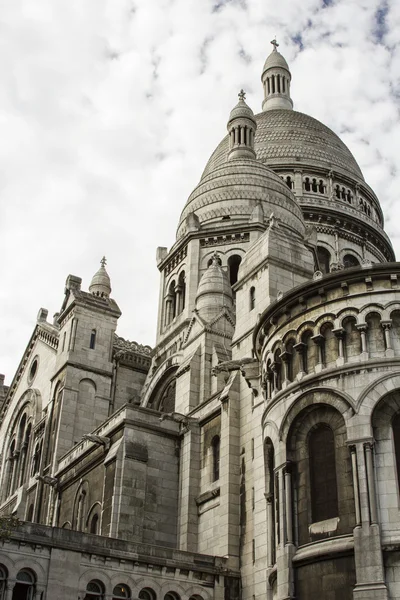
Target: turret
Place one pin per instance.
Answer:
(276, 79)
(241, 128)
(101, 285)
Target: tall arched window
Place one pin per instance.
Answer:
(269, 466)
(215, 447)
(352, 338)
(24, 588)
(324, 259)
(92, 339)
(233, 268)
(252, 298)
(94, 524)
(121, 591)
(24, 454)
(181, 293)
(324, 496)
(94, 590)
(11, 468)
(3, 582)
(375, 335)
(396, 439)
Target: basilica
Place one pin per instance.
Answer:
(254, 452)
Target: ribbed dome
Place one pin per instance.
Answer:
(288, 137)
(275, 59)
(241, 110)
(232, 191)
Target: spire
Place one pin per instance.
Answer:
(276, 79)
(241, 128)
(101, 285)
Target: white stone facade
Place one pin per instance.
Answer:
(254, 452)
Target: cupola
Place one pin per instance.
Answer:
(241, 128)
(214, 291)
(276, 79)
(100, 284)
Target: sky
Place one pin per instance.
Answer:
(110, 109)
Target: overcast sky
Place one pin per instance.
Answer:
(109, 110)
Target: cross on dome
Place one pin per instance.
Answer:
(242, 95)
(103, 262)
(275, 44)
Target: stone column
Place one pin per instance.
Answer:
(178, 299)
(189, 470)
(367, 539)
(340, 333)
(298, 183)
(285, 357)
(319, 340)
(285, 549)
(363, 332)
(270, 529)
(288, 502)
(387, 326)
(300, 349)
(353, 454)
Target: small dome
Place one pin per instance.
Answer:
(231, 192)
(241, 110)
(275, 60)
(214, 290)
(101, 284)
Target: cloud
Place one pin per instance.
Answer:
(109, 110)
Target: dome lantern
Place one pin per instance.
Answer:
(276, 79)
(241, 128)
(100, 284)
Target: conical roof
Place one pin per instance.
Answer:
(214, 290)
(101, 284)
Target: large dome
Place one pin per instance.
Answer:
(290, 138)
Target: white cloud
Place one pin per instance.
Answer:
(109, 110)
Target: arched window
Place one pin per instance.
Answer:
(215, 447)
(11, 467)
(314, 185)
(310, 352)
(181, 293)
(395, 332)
(94, 590)
(321, 187)
(290, 355)
(269, 466)
(167, 400)
(375, 335)
(147, 594)
(289, 182)
(3, 582)
(94, 524)
(170, 304)
(307, 184)
(29, 515)
(37, 453)
(324, 259)
(233, 268)
(324, 497)
(24, 454)
(80, 508)
(277, 370)
(396, 439)
(252, 298)
(352, 338)
(330, 345)
(121, 591)
(92, 339)
(350, 261)
(172, 596)
(24, 588)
